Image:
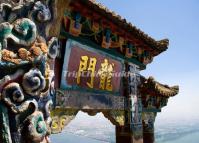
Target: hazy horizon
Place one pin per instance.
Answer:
(103, 131)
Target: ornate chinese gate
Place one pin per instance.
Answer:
(91, 64)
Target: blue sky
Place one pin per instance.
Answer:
(177, 20)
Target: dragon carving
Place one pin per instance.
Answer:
(26, 53)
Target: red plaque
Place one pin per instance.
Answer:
(89, 68)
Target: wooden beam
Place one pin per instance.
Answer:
(87, 101)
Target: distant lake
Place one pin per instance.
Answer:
(97, 129)
(71, 138)
(190, 138)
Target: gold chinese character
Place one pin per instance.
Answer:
(83, 68)
(109, 77)
(91, 68)
(106, 73)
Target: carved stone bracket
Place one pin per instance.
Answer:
(61, 117)
(117, 117)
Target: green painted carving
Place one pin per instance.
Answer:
(5, 136)
(35, 128)
(22, 31)
(27, 58)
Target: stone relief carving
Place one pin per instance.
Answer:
(27, 77)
